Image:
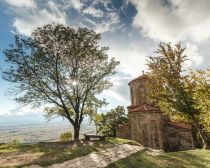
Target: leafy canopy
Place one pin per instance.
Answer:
(62, 68)
(183, 95)
(108, 123)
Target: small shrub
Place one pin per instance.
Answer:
(66, 136)
(107, 123)
(121, 141)
(15, 142)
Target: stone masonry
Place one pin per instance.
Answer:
(149, 126)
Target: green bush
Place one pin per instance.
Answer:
(15, 142)
(66, 136)
(108, 123)
(121, 141)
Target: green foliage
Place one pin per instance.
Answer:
(66, 136)
(108, 123)
(63, 69)
(15, 142)
(198, 82)
(10, 147)
(184, 96)
(121, 141)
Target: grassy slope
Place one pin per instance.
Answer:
(44, 154)
(182, 159)
(49, 153)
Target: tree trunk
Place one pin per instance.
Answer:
(76, 132)
(201, 134)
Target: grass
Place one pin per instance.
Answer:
(47, 153)
(183, 159)
(121, 141)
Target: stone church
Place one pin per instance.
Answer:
(151, 127)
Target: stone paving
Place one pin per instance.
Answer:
(98, 159)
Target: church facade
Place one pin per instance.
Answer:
(151, 127)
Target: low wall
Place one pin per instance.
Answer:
(123, 131)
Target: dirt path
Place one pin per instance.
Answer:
(98, 159)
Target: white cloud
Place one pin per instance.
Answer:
(27, 22)
(193, 55)
(76, 4)
(114, 95)
(36, 15)
(119, 93)
(20, 111)
(101, 19)
(93, 12)
(173, 20)
(131, 55)
(110, 23)
(22, 3)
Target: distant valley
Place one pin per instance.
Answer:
(37, 130)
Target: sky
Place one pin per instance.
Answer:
(131, 28)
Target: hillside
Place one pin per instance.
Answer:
(50, 153)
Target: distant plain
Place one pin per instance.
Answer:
(31, 131)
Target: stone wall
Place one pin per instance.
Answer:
(147, 128)
(123, 131)
(178, 139)
(138, 92)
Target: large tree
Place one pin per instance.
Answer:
(177, 92)
(198, 81)
(62, 68)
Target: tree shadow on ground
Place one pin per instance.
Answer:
(55, 152)
(135, 161)
(183, 159)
